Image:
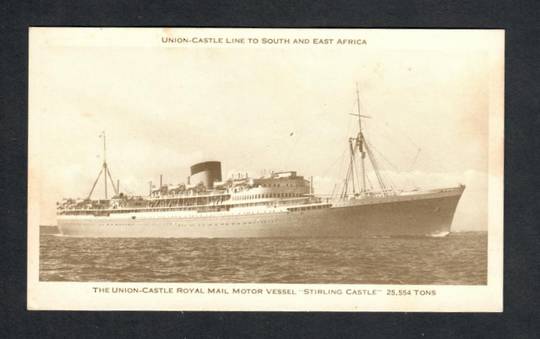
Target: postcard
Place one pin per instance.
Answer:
(265, 169)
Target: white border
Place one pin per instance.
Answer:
(81, 296)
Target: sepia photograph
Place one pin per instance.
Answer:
(265, 169)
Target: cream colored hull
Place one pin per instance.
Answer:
(408, 215)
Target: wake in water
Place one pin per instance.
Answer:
(439, 234)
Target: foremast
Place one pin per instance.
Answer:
(359, 147)
(105, 171)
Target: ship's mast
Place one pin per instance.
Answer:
(360, 144)
(105, 171)
(360, 140)
(105, 161)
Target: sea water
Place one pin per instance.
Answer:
(457, 259)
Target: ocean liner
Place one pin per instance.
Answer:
(278, 205)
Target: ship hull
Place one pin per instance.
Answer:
(413, 215)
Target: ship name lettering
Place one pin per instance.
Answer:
(351, 291)
(336, 291)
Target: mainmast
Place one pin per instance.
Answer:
(105, 171)
(360, 140)
(360, 145)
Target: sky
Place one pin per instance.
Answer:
(257, 109)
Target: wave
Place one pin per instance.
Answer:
(439, 234)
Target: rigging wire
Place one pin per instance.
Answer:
(375, 167)
(387, 177)
(389, 132)
(369, 183)
(333, 163)
(340, 184)
(415, 158)
(394, 167)
(360, 189)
